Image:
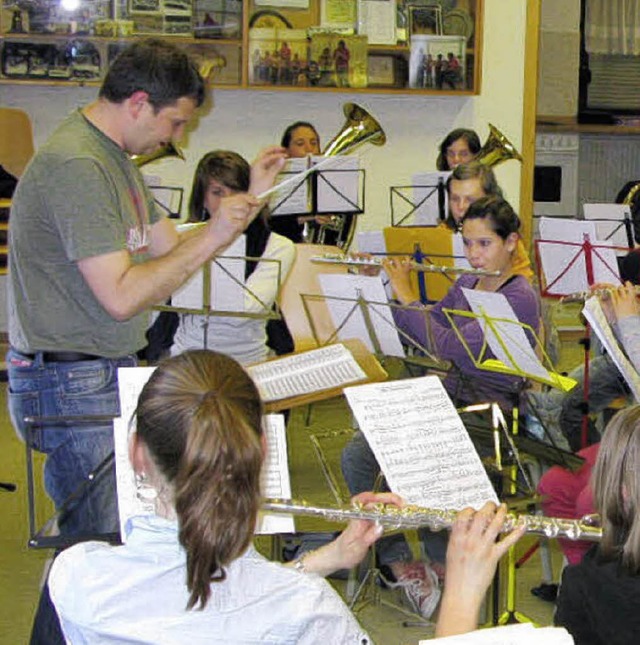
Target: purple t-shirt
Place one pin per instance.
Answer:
(465, 382)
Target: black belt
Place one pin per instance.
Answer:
(64, 357)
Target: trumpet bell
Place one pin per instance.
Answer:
(360, 127)
(497, 148)
(170, 150)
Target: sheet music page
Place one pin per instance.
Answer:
(227, 292)
(312, 371)
(519, 634)
(347, 315)
(421, 444)
(555, 258)
(596, 317)
(129, 504)
(274, 479)
(373, 242)
(292, 199)
(512, 337)
(460, 259)
(425, 197)
(131, 380)
(609, 221)
(227, 278)
(337, 184)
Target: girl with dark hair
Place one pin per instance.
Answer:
(490, 237)
(490, 233)
(187, 574)
(459, 146)
(301, 139)
(219, 174)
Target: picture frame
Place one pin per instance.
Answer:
(425, 19)
(438, 62)
(385, 70)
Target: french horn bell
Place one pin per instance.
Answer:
(496, 149)
(359, 128)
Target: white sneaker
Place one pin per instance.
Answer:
(420, 584)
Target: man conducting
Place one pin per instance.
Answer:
(89, 254)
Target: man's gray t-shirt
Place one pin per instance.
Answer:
(80, 197)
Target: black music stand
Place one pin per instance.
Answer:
(49, 536)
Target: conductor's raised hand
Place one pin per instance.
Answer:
(231, 219)
(265, 168)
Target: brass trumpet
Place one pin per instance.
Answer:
(334, 258)
(414, 517)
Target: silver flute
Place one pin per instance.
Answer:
(581, 296)
(414, 517)
(335, 258)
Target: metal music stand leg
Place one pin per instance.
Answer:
(510, 614)
(366, 592)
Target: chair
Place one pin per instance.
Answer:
(16, 149)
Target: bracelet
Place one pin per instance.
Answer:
(298, 563)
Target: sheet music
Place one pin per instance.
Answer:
(555, 258)
(596, 317)
(129, 504)
(347, 315)
(337, 184)
(609, 221)
(373, 242)
(226, 282)
(519, 634)
(425, 197)
(457, 244)
(131, 380)
(291, 200)
(313, 371)
(422, 446)
(274, 479)
(512, 334)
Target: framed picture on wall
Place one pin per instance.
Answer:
(437, 62)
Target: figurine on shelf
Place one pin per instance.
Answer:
(17, 26)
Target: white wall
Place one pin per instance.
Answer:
(246, 120)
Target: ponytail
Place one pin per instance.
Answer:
(200, 417)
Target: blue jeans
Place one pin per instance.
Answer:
(606, 384)
(360, 470)
(74, 450)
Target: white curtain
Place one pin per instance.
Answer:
(613, 27)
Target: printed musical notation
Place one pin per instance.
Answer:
(421, 443)
(275, 480)
(596, 317)
(313, 371)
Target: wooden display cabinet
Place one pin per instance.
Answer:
(431, 47)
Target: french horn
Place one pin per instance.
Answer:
(169, 150)
(496, 149)
(359, 128)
